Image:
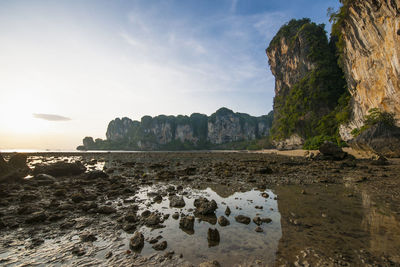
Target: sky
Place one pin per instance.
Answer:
(68, 67)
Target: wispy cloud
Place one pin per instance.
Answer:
(50, 117)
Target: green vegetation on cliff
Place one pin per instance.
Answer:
(314, 106)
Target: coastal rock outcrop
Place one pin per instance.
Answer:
(308, 82)
(370, 36)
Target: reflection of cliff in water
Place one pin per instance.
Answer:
(330, 224)
(383, 226)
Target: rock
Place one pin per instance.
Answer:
(176, 202)
(108, 255)
(18, 161)
(160, 246)
(266, 220)
(379, 139)
(4, 168)
(152, 220)
(332, 151)
(137, 241)
(88, 237)
(78, 251)
(213, 237)
(187, 223)
(259, 229)
(227, 211)
(45, 179)
(380, 161)
(175, 216)
(60, 168)
(36, 217)
(96, 174)
(257, 220)
(77, 197)
(265, 170)
(129, 227)
(291, 143)
(204, 206)
(106, 210)
(264, 195)
(242, 219)
(223, 221)
(157, 198)
(210, 264)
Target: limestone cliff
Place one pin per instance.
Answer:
(308, 82)
(182, 132)
(370, 38)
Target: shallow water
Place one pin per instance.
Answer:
(238, 242)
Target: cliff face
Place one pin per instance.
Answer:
(308, 81)
(182, 132)
(371, 58)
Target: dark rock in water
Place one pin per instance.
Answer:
(257, 220)
(210, 264)
(36, 217)
(259, 229)
(96, 174)
(88, 237)
(129, 227)
(137, 241)
(160, 246)
(153, 219)
(176, 202)
(187, 223)
(213, 237)
(204, 206)
(331, 151)
(157, 198)
(175, 216)
(223, 221)
(227, 211)
(60, 168)
(242, 219)
(380, 139)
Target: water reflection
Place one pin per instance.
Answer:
(239, 243)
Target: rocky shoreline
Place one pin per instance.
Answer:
(149, 208)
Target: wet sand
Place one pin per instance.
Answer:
(321, 213)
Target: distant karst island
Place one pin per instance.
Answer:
(224, 129)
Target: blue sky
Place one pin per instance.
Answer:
(91, 61)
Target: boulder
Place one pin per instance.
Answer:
(153, 219)
(137, 241)
(60, 168)
(96, 174)
(331, 151)
(379, 139)
(223, 221)
(18, 161)
(204, 206)
(160, 246)
(242, 219)
(176, 201)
